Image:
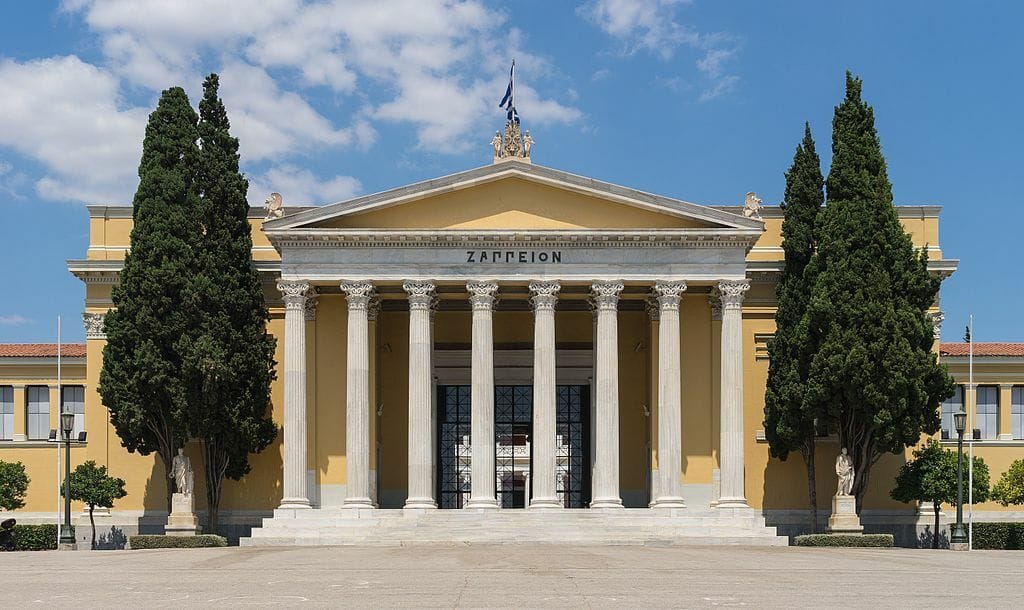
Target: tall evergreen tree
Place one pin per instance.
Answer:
(789, 421)
(872, 372)
(146, 330)
(230, 364)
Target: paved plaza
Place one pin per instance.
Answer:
(514, 576)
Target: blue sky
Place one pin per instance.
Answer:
(698, 100)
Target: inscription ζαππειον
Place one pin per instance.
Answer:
(510, 257)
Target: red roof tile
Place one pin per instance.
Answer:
(41, 350)
(982, 349)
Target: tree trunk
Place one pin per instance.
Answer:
(92, 522)
(214, 465)
(812, 485)
(935, 536)
(168, 478)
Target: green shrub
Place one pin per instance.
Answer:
(175, 542)
(999, 536)
(41, 537)
(847, 540)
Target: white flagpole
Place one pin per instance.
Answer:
(60, 504)
(970, 446)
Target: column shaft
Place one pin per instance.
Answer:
(670, 459)
(357, 397)
(606, 468)
(421, 454)
(482, 492)
(543, 442)
(295, 494)
(731, 450)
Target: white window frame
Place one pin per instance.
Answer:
(950, 406)
(34, 415)
(6, 413)
(1017, 412)
(987, 413)
(74, 406)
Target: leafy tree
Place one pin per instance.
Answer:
(147, 330)
(872, 372)
(92, 485)
(1010, 488)
(789, 421)
(931, 477)
(229, 362)
(13, 485)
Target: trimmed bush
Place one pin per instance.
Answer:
(175, 542)
(845, 540)
(999, 536)
(40, 537)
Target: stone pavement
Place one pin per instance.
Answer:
(514, 576)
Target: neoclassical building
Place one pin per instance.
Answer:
(512, 344)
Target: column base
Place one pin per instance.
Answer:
(357, 503)
(732, 503)
(481, 503)
(545, 503)
(296, 503)
(421, 503)
(606, 503)
(668, 502)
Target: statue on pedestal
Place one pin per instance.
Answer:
(844, 469)
(182, 521)
(181, 472)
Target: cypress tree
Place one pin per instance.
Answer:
(789, 422)
(872, 372)
(140, 381)
(229, 365)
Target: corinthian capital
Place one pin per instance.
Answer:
(545, 295)
(732, 292)
(294, 293)
(481, 294)
(94, 325)
(358, 294)
(421, 293)
(606, 294)
(669, 294)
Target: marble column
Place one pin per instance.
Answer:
(482, 492)
(670, 456)
(545, 451)
(357, 396)
(421, 370)
(295, 494)
(606, 467)
(733, 494)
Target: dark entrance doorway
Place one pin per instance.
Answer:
(513, 429)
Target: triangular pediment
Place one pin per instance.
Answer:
(513, 196)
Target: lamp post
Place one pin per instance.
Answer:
(958, 538)
(67, 424)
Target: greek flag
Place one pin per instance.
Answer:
(509, 101)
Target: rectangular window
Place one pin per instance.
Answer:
(950, 406)
(74, 402)
(6, 413)
(988, 411)
(1017, 411)
(38, 412)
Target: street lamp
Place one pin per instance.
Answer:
(958, 539)
(67, 424)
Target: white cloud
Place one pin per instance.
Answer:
(14, 320)
(641, 24)
(651, 25)
(300, 186)
(67, 115)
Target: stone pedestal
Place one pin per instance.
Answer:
(844, 519)
(182, 521)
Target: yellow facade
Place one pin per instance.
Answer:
(499, 203)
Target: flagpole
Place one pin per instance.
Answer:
(970, 445)
(60, 515)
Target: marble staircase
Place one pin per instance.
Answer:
(385, 527)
